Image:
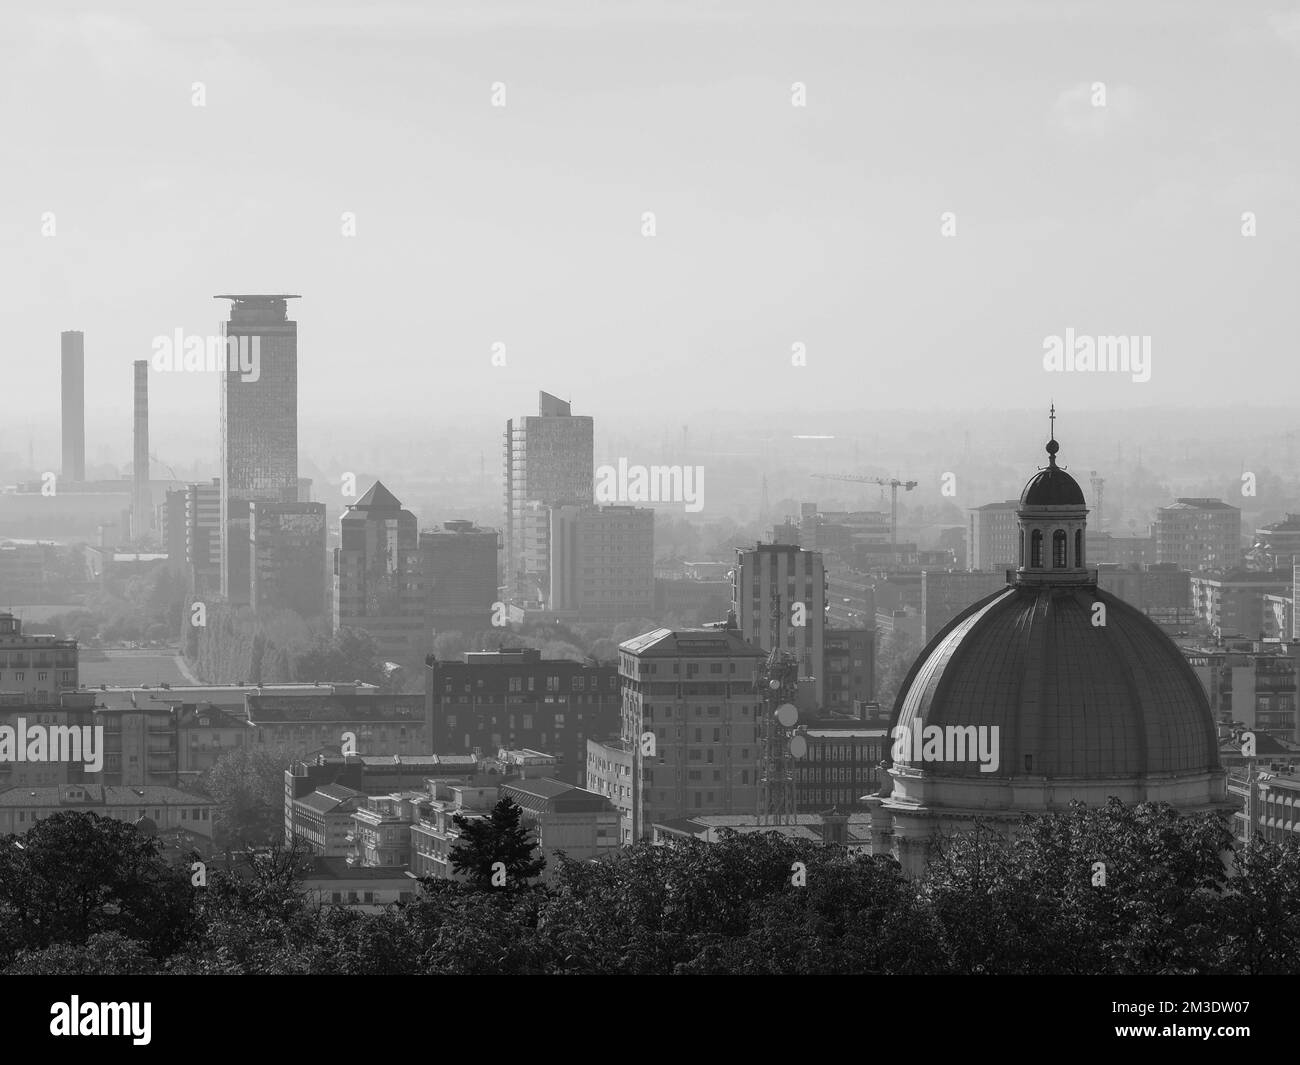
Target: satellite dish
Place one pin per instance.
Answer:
(799, 747)
(787, 714)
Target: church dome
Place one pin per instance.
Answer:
(1070, 698)
(1052, 487)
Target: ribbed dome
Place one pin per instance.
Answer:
(1079, 701)
(1052, 487)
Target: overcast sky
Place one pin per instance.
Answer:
(775, 224)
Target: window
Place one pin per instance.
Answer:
(1078, 547)
(1058, 549)
(1036, 549)
(41, 676)
(516, 684)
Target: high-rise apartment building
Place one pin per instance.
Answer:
(1199, 534)
(602, 562)
(778, 592)
(141, 497)
(848, 671)
(73, 383)
(259, 425)
(377, 581)
(549, 461)
(694, 689)
(993, 537)
(458, 567)
(289, 567)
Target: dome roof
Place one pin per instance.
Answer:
(1052, 486)
(1070, 699)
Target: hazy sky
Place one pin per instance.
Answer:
(775, 224)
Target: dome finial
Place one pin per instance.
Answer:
(1052, 446)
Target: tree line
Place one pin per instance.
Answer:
(1115, 890)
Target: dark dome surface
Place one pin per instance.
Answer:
(1052, 487)
(1081, 701)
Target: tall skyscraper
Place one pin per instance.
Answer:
(779, 594)
(259, 424)
(141, 498)
(377, 582)
(73, 381)
(549, 461)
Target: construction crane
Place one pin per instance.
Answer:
(894, 485)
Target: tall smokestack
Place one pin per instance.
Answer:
(73, 379)
(141, 498)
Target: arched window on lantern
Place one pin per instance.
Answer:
(1078, 547)
(1022, 547)
(1036, 549)
(1059, 540)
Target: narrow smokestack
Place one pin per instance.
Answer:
(73, 381)
(141, 499)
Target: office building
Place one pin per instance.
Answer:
(841, 767)
(203, 536)
(377, 582)
(601, 562)
(458, 569)
(775, 587)
(289, 566)
(515, 698)
(141, 497)
(259, 425)
(992, 533)
(1199, 534)
(695, 690)
(548, 462)
(72, 381)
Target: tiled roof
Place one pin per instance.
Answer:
(101, 795)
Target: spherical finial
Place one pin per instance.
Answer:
(1053, 447)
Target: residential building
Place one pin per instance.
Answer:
(377, 582)
(333, 881)
(141, 496)
(323, 819)
(695, 690)
(609, 773)
(1234, 603)
(162, 809)
(582, 824)
(1199, 534)
(848, 670)
(434, 831)
(380, 724)
(1152, 589)
(548, 462)
(601, 562)
(38, 667)
(1279, 542)
(779, 598)
(1251, 683)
